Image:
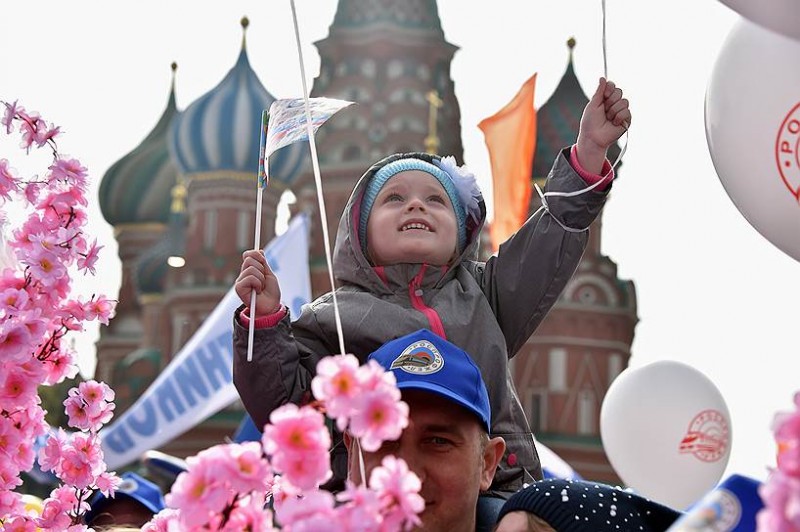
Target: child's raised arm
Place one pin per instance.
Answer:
(257, 275)
(605, 118)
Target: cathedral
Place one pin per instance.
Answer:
(181, 205)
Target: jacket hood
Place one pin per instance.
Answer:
(351, 266)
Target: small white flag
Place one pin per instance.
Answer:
(287, 119)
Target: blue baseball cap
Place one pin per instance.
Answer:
(424, 361)
(132, 487)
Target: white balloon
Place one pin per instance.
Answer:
(782, 16)
(666, 431)
(752, 121)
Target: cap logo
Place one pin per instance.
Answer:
(419, 358)
(128, 485)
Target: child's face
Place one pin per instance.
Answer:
(412, 221)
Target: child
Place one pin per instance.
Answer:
(405, 260)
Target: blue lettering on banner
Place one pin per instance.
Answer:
(147, 424)
(217, 360)
(190, 381)
(167, 397)
(118, 439)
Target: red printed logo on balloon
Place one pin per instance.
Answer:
(707, 437)
(787, 151)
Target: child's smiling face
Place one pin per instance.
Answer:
(412, 221)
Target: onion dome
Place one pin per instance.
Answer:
(136, 188)
(219, 133)
(151, 267)
(558, 120)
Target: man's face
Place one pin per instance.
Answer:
(412, 221)
(445, 445)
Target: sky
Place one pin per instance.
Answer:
(712, 292)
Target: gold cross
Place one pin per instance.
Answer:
(432, 140)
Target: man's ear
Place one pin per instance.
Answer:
(492, 454)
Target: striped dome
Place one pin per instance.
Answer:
(136, 188)
(220, 131)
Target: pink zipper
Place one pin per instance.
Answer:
(415, 295)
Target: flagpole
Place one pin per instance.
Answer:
(315, 165)
(263, 179)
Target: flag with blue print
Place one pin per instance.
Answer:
(287, 120)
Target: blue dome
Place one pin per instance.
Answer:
(220, 131)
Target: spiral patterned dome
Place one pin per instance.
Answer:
(136, 188)
(220, 131)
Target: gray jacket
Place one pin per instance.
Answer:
(488, 309)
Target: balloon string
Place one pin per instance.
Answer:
(605, 54)
(317, 179)
(544, 195)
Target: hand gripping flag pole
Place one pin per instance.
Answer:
(288, 120)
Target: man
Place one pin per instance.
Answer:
(447, 442)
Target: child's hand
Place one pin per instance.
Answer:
(256, 275)
(605, 118)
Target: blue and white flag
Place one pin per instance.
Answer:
(199, 381)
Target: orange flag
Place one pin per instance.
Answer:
(510, 136)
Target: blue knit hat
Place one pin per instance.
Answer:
(425, 361)
(393, 168)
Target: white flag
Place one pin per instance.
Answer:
(199, 381)
(287, 120)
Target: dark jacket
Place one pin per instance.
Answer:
(488, 309)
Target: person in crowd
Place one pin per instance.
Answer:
(406, 258)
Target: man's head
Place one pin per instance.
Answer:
(416, 209)
(446, 442)
(576, 505)
(135, 502)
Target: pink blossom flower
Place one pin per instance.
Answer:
(14, 342)
(108, 483)
(87, 260)
(361, 509)
(8, 182)
(55, 515)
(100, 308)
(164, 521)
(14, 385)
(19, 524)
(398, 489)
(245, 467)
(304, 470)
(13, 300)
(71, 171)
(198, 494)
(313, 511)
(50, 453)
(249, 514)
(75, 469)
(293, 429)
(10, 113)
(337, 384)
(380, 417)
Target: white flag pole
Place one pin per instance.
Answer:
(315, 165)
(263, 179)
